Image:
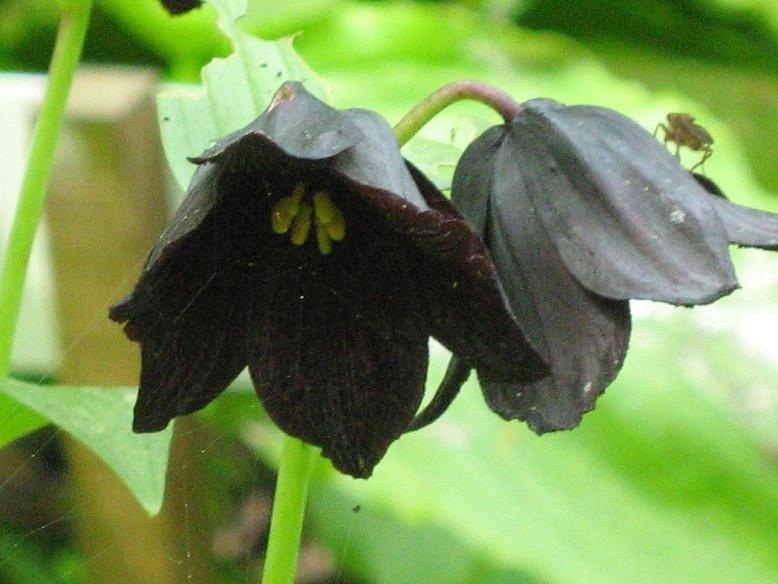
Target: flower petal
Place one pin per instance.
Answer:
(296, 124)
(376, 161)
(471, 315)
(745, 227)
(338, 351)
(628, 220)
(190, 326)
(582, 336)
(586, 335)
(748, 227)
(200, 199)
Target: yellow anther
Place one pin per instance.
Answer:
(336, 227)
(329, 216)
(298, 191)
(286, 209)
(325, 208)
(295, 213)
(323, 239)
(301, 224)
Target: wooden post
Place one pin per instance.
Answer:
(105, 209)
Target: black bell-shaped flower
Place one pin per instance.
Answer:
(309, 250)
(582, 210)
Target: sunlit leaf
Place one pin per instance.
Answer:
(377, 538)
(662, 490)
(17, 420)
(101, 418)
(235, 90)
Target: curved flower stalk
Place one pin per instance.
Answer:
(309, 250)
(582, 211)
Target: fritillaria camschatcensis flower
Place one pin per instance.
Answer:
(583, 210)
(308, 250)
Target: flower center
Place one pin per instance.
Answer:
(294, 214)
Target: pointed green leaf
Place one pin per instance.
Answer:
(101, 418)
(17, 420)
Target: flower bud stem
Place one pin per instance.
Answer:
(67, 52)
(439, 100)
(286, 523)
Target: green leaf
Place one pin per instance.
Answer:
(642, 493)
(17, 420)
(235, 90)
(435, 159)
(377, 539)
(23, 560)
(101, 418)
(169, 37)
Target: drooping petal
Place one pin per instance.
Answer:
(627, 219)
(470, 313)
(582, 336)
(338, 346)
(745, 227)
(201, 196)
(748, 227)
(376, 162)
(191, 329)
(586, 335)
(295, 124)
(486, 167)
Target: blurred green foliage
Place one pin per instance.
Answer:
(102, 420)
(672, 478)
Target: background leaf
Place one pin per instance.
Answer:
(17, 420)
(658, 485)
(101, 418)
(235, 90)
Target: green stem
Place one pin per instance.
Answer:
(436, 102)
(67, 52)
(286, 523)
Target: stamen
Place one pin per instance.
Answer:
(295, 213)
(325, 208)
(323, 239)
(285, 210)
(336, 228)
(301, 224)
(330, 220)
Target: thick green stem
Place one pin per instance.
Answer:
(436, 102)
(67, 52)
(286, 524)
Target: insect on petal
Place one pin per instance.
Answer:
(627, 219)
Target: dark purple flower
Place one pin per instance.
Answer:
(583, 210)
(309, 250)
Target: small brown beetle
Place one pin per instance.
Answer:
(682, 130)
